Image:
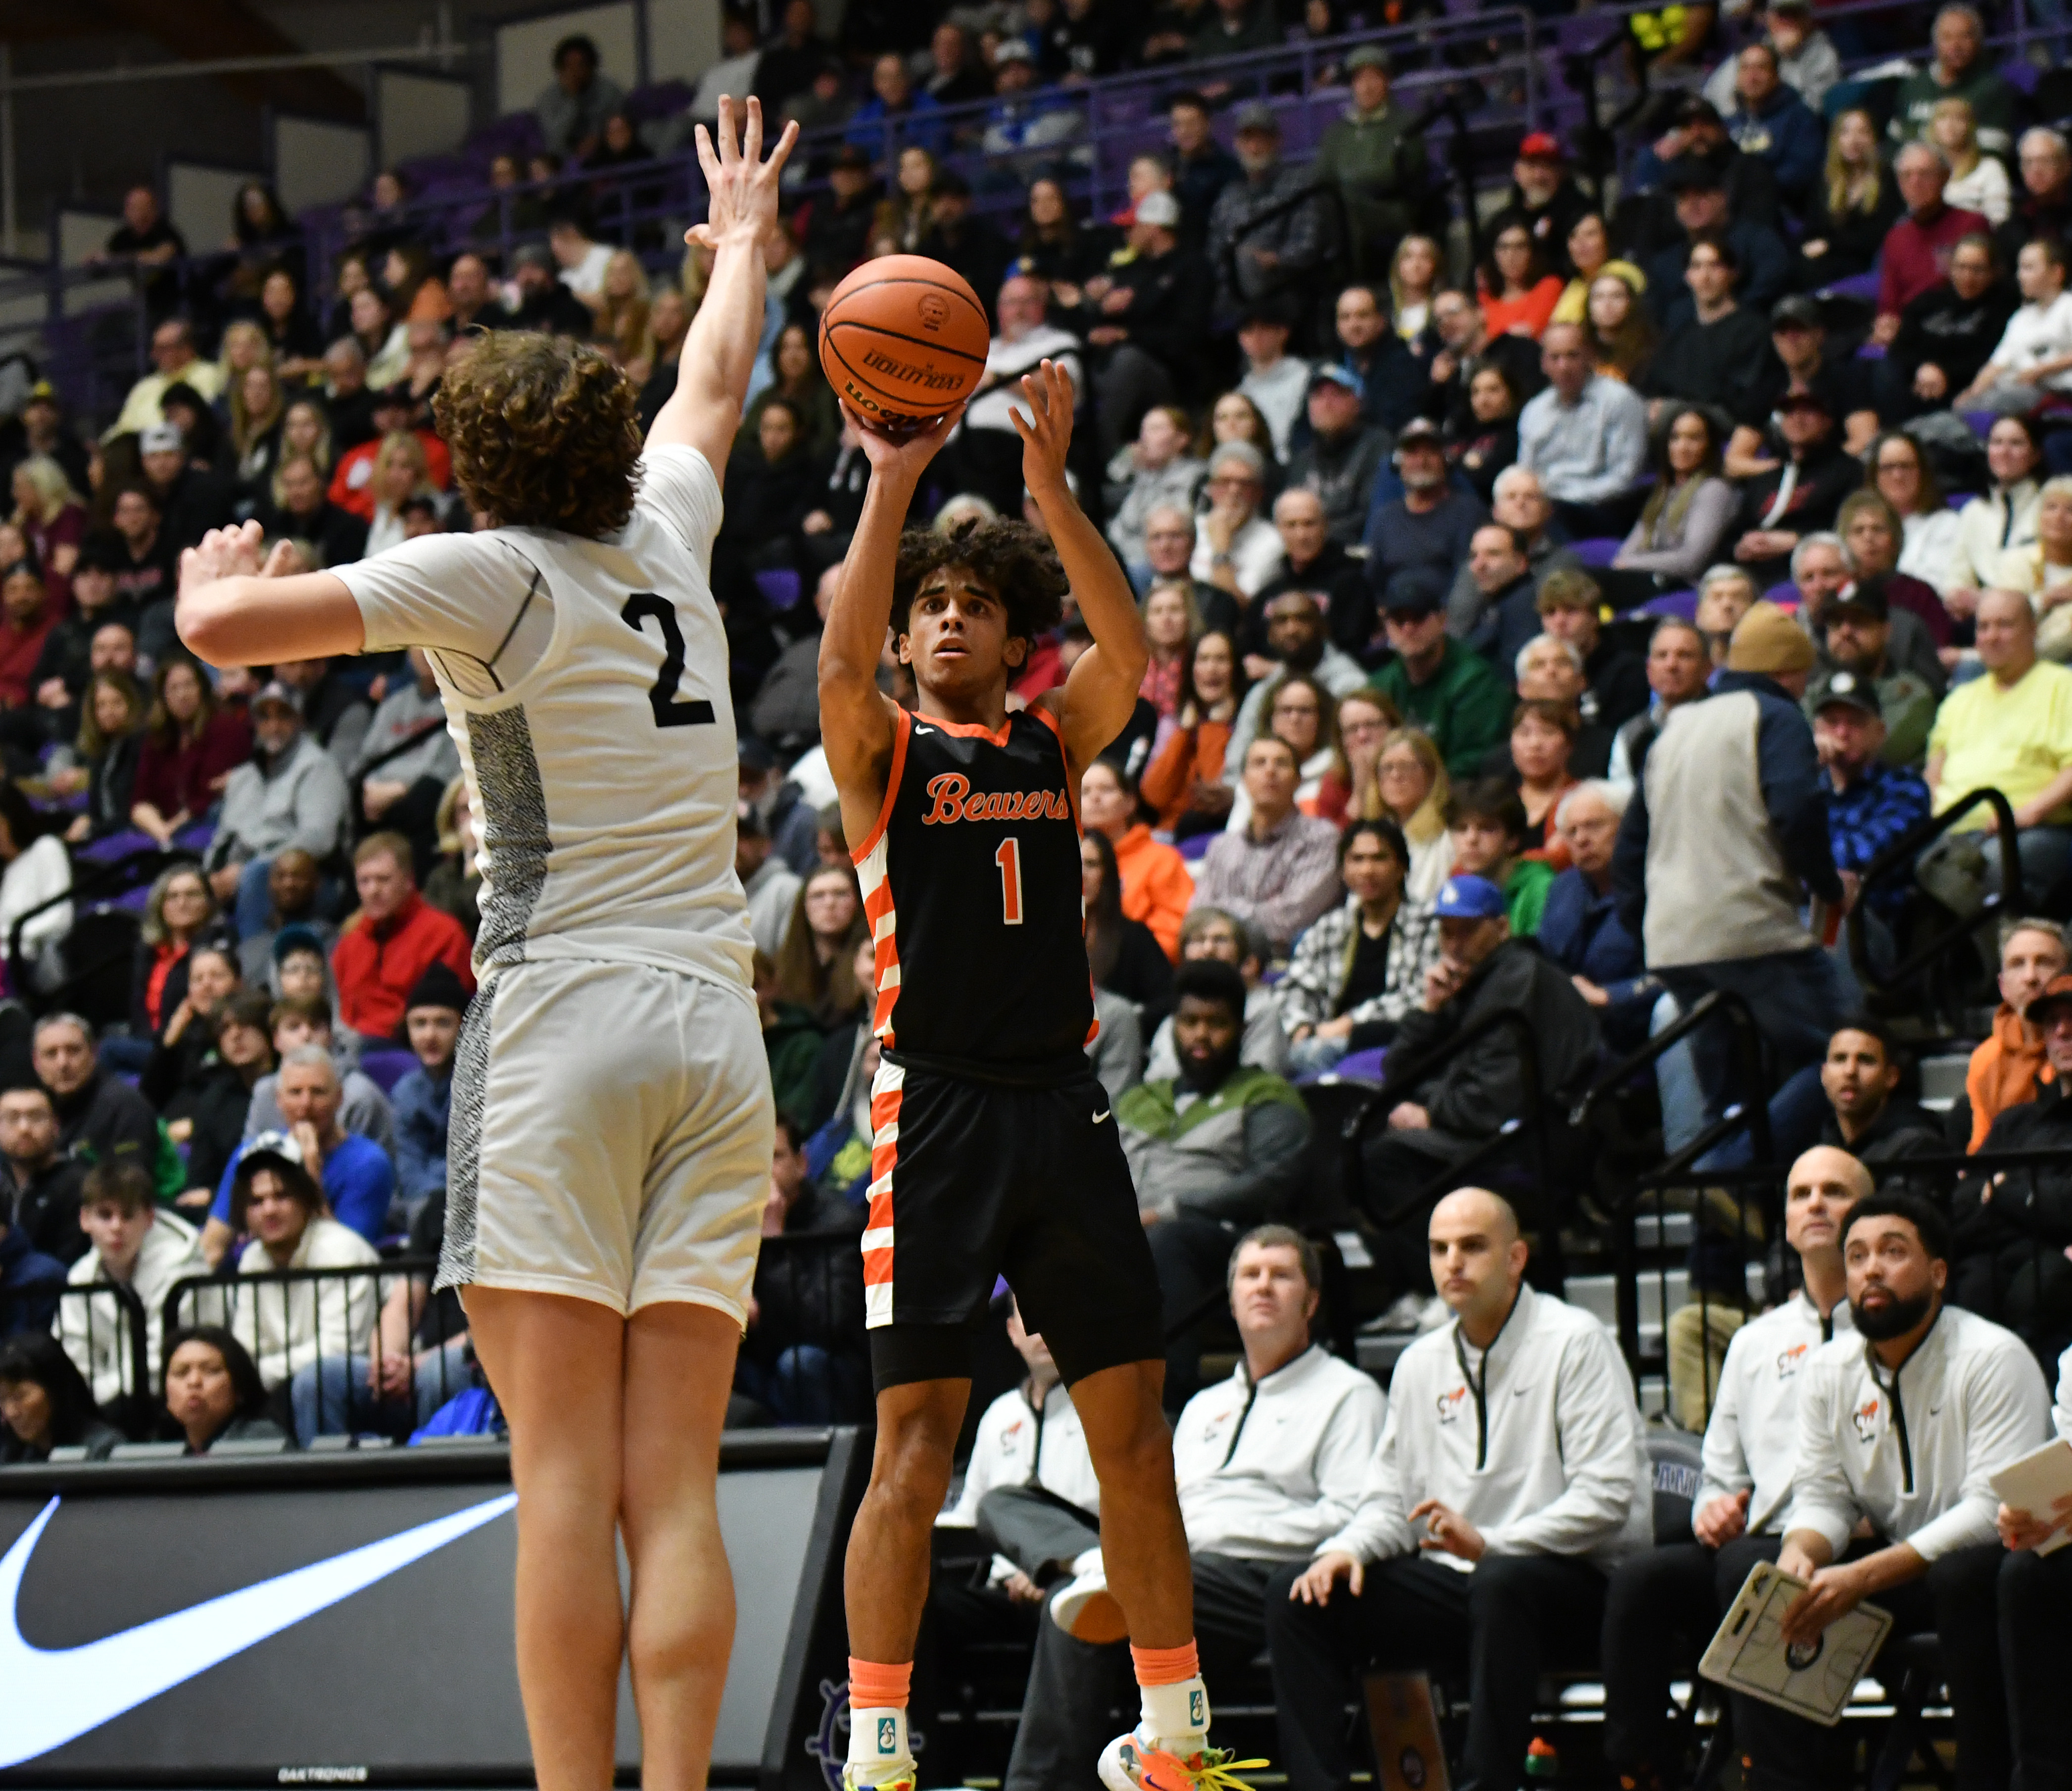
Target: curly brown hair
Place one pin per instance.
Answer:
(1010, 559)
(544, 433)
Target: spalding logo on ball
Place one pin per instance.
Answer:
(903, 338)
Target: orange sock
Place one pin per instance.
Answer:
(877, 1694)
(1158, 1666)
(875, 1686)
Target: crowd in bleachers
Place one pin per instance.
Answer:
(1562, 629)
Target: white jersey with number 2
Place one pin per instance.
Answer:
(586, 682)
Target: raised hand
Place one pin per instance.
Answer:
(902, 453)
(742, 182)
(1046, 431)
(231, 552)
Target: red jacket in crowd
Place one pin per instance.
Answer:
(378, 963)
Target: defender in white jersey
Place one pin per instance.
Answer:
(609, 1147)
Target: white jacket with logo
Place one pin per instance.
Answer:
(1752, 1439)
(1021, 1444)
(2061, 1414)
(1913, 1452)
(94, 1331)
(1536, 1442)
(1265, 1470)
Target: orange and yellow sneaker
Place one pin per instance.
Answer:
(1131, 1763)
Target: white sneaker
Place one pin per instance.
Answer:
(1130, 1763)
(1084, 1609)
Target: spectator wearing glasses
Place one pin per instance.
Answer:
(1858, 663)
(1438, 683)
(1917, 249)
(1502, 1493)
(2032, 361)
(1581, 929)
(1236, 549)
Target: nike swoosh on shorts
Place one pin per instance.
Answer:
(1101, 1114)
(51, 1696)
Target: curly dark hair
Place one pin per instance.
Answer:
(544, 432)
(1009, 558)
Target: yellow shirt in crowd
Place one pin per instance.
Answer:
(2014, 740)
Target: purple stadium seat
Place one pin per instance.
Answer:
(385, 1068)
(1195, 847)
(1360, 1066)
(1863, 286)
(779, 587)
(1681, 604)
(1600, 550)
(111, 846)
(1980, 422)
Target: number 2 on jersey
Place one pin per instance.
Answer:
(670, 710)
(1009, 859)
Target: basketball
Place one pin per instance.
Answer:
(903, 339)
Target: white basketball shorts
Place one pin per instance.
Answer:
(609, 1137)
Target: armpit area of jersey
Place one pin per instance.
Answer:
(1056, 1073)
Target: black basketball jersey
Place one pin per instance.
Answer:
(971, 885)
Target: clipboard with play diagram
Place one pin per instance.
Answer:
(1750, 1655)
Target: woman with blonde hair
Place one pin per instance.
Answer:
(1621, 334)
(454, 886)
(1364, 719)
(1414, 273)
(1172, 619)
(1855, 202)
(400, 473)
(305, 434)
(256, 411)
(1410, 778)
(111, 739)
(1977, 181)
(2042, 571)
(50, 514)
(623, 309)
(816, 964)
(245, 346)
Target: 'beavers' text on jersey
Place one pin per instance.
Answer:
(971, 882)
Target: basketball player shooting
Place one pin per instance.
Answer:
(609, 1150)
(993, 1150)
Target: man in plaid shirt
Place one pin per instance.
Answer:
(1870, 803)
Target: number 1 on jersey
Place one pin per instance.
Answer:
(1009, 859)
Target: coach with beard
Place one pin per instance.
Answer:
(1900, 1428)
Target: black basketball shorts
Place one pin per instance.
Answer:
(972, 1181)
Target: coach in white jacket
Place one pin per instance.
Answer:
(1511, 1478)
(1665, 1602)
(1901, 1427)
(2035, 1639)
(1267, 1463)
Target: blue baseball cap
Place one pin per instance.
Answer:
(1470, 898)
(1337, 374)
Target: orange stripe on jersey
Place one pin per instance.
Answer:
(902, 723)
(884, 919)
(877, 1241)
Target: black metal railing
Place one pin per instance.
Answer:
(93, 884)
(1900, 858)
(368, 1348)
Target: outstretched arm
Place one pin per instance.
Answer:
(1100, 693)
(718, 355)
(856, 716)
(231, 610)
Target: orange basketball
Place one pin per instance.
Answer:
(903, 339)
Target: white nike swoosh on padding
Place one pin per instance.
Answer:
(1101, 1114)
(51, 1696)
